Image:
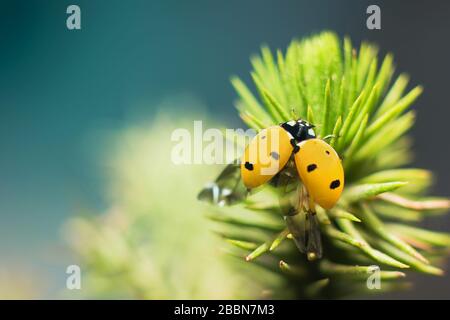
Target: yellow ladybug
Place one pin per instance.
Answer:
(317, 163)
(288, 151)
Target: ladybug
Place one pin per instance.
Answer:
(318, 164)
(281, 156)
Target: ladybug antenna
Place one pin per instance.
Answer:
(330, 136)
(294, 113)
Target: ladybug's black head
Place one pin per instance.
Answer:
(300, 129)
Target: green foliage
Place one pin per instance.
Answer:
(345, 92)
(153, 241)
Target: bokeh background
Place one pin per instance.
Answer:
(62, 93)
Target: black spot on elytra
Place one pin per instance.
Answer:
(263, 137)
(328, 152)
(248, 166)
(335, 184)
(275, 155)
(311, 167)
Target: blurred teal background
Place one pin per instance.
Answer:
(59, 89)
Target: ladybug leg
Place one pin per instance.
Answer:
(313, 241)
(330, 136)
(295, 221)
(293, 113)
(311, 205)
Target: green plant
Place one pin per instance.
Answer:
(347, 93)
(153, 241)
